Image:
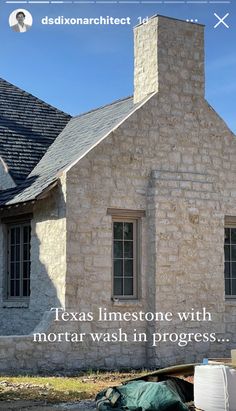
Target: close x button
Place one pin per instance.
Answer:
(221, 20)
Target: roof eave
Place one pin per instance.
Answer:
(45, 193)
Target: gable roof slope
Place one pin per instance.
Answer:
(80, 135)
(28, 126)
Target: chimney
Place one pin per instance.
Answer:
(168, 58)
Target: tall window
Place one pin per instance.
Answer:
(230, 261)
(125, 249)
(18, 281)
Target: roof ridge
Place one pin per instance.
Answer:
(100, 107)
(35, 97)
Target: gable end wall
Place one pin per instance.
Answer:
(174, 158)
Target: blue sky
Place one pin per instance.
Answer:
(77, 68)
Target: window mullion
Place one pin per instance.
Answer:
(8, 262)
(21, 260)
(14, 263)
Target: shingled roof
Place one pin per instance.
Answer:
(79, 136)
(28, 126)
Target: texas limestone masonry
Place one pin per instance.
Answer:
(175, 158)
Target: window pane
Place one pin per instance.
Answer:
(128, 231)
(129, 268)
(233, 287)
(26, 252)
(227, 235)
(17, 289)
(233, 235)
(17, 235)
(17, 255)
(118, 268)
(233, 252)
(227, 252)
(12, 251)
(118, 249)
(233, 272)
(12, 288)
(13, 237)
(227, 287)
(17, 268)
(26, 233)
(118, 286)
(12, 270)
(118, 231)
(26, 288)
(128, 249)
(26, 269)
(227, 270)
(128, 286)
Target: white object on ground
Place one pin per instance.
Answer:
(215, 388)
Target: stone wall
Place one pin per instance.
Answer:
(168, 57)
(145, 60)
(190, 276)
(181, 170)
(49, 251)
(19, 353)
(174, 159)
(48, 256)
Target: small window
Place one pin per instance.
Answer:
(230, 262)
(125, 258)
(126, 253)
(18, 260)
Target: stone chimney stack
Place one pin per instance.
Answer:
(168, 58)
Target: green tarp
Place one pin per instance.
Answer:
(142, 396)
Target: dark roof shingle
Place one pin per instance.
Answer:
(76, 139)
(28, 126)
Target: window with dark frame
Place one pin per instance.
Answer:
(125, 248)
(18, 278)
(230, 262)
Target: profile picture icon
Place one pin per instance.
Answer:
(20, 20)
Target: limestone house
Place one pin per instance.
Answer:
(128, 208)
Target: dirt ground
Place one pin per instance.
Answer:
(14, 400)
(86, 405)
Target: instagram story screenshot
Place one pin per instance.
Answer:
(118, 205)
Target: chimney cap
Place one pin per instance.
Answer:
(169, 18)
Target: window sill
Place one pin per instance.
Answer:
(126, 303)
(15, 304)
(230, 301)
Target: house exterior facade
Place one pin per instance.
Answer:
(129, 209)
